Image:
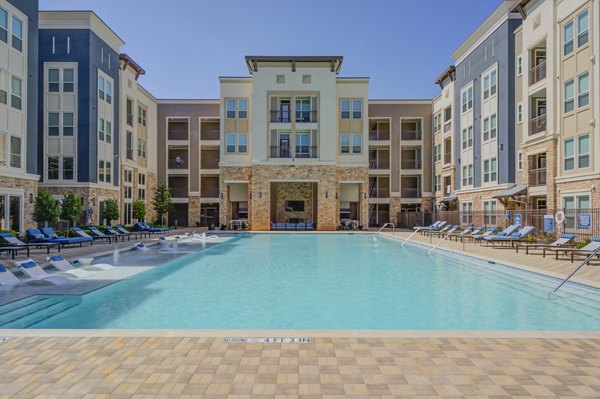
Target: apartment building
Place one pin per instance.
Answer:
(138, 150)
(484, 124)
(18, 112)
(443, 148)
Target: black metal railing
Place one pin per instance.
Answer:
(289, 116)
(379, 164)
(299, 151)
(411, 135)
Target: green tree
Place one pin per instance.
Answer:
(45, 209)
(161, 201)
(71, 208)
(109, 210)
(139, 209)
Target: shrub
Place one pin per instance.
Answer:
(45, 209)
(138, 209)
(110, 210)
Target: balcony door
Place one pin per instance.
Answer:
(539, 57)
(284, 145)
(540, 106)
(285, 111)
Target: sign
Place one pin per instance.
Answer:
(548, 224)
(90, 211)
(270, 340)
(517, 220)
(507, 215)
(584, 220)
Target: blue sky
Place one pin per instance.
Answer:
(401, 45)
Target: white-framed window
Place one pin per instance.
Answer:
(101, 128)
(583, 90)
(3, 25)
(356, 108)
(60, 167)
(3, 149)
(53, 123)
(345, 143)
(101, 88)
(242, 142)
(230, 108)
(236, 108)
(490, 208)
(53, 167)
(583, 28)
(53, 80)
(17, 33)
(16, 93)
(68, 80)
(141, 148)
(569, 96)
(466, 212)
(302, 144)
(345, 109)
(583, 151)
(520, 113)
(568, 42)
(438, 183)
(3, 86)
(108, 92)
(490, 170)
(108, 132)
(236, 143)
(68, 125)
(242, 108)
(573, 203)
(569, 154)
(142, 115)
(15, 152)
(467, 99)
(230, 142)
(520, 160)
(355, 103)
(467, 175)
(493, 126)
(142, 186)
(490, 84)
(467, 138)
(519, 65)
(356, 143)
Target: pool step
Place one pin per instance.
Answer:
(35, 311)
(9, 307)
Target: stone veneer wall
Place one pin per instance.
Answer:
(86, 193)
(355, 174)
(550, 148)
(233, 173)
(194, 211)
(150, 190)
(294, 192)
(29, 186)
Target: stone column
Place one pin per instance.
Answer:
(194, 211)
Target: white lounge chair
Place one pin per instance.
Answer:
(35, 272)
(85, 271)
(511, 238)
(564, 241)
(7, 278)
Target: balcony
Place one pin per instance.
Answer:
(537, 124)
(411, 164)
(178, 185)
(537, 73)
(209, 160)
(447, 126)
(302, 152)
(177, 158)
(129, 153)
(447, 158)
(177, 129)
(306, 116)
(379, 131)
(411, 135)
(300, 117)
(537, 177)
(379, 192)
(130, 119)
(209, 187)
(410, 192)
(381, 163)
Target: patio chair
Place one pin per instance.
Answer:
(565, 240)
(135, 234)
(14, 242)
(467, 230)
(79, 231)
(479, 237)
(433, 227)
(512, 238)
(64, 265)
(7, 278)
(474, 232)
(35, 272)
(95, 231)
(444, 234)
(113, 232)
(51, 236)
(443, 229)
(584, 251)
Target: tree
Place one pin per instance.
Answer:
(71, 208)
(109, 210)
(139, 209)
(45, 209)
(161, 201)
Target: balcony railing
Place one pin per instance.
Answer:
(129, 154)
(375, 135)
(537, 177)
(381, 164)
(537, 73)
(411, 164)
(447, 126)
(447, 158)
(379, 193)
(410, 192)
(288, 117)
(411, 135)
(537, 124)
(173, 164)
(130, 119)
(302, 151)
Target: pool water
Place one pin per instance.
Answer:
(324, 281)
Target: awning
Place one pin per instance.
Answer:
(449, 199)
(512, 192)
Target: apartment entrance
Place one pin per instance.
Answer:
(209, 215)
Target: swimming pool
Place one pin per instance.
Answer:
(322, 281)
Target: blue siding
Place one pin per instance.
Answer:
(86, 51)
(470, 70)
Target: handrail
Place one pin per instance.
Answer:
(440, 241)
(413, 233)
(383, 227)
(585, 262)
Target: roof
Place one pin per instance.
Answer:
(450, 198)
(335, 60)
(130, 62)
(447, 73)
(512, 192)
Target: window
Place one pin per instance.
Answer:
(486, 171)
(230, 142)
(242, 109)
(107, 172)
(17, 33)
(101, 129)
(3, 87)
(583, 203)
(520, 113)
(53, 124)
(569, 154)
(486, 129)
(345, 109)
(108, 135)
(520, 161)
(302, 144)
(490, 212)
(53, 167)
(68, 80)
(129, 145)
(101, 171)
(467, 99)
(101, 87)
(67, 170)
(141, 148)
(569, 99)
(142, 115)
(519, 65)
(583, 27)
(15, 152)
(130, 112)
(466, 214)
(493, 126)
(3, 26)
(15, 99)
(242, 139)
(486, 87)
(108, 92)
(142, 186)
(53, 80)
(345, 143)
(230, 108)
(68, 124)
(583, 151)
(356, 109)
(3, 151)
(493, 169)
(583, 90)
(467, 175)
(467, 138)
(568, 38)
(356, 143)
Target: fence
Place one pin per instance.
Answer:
(585, 223)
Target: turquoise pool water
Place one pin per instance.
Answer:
(314, 281)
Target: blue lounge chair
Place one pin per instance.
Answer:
(95, 231)
(290, 226)
(584, 251)
(114, 233)
(14, 242)
(565, 240)
(300, 226)
(477, 237)
(83, 234)
(512, 238)
(51, 236)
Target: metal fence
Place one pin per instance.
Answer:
(585, 223)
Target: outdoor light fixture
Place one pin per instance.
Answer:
(221, 195)
(365, 195)
(260, 194)
(326, 194)
(31, 198)
(336, 195)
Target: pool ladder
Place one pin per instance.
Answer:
(439, 242)
(413, 233)
(385, 225)
(585, 262)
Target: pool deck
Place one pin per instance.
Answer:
(334, 364)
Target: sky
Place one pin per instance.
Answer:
(401, 45)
